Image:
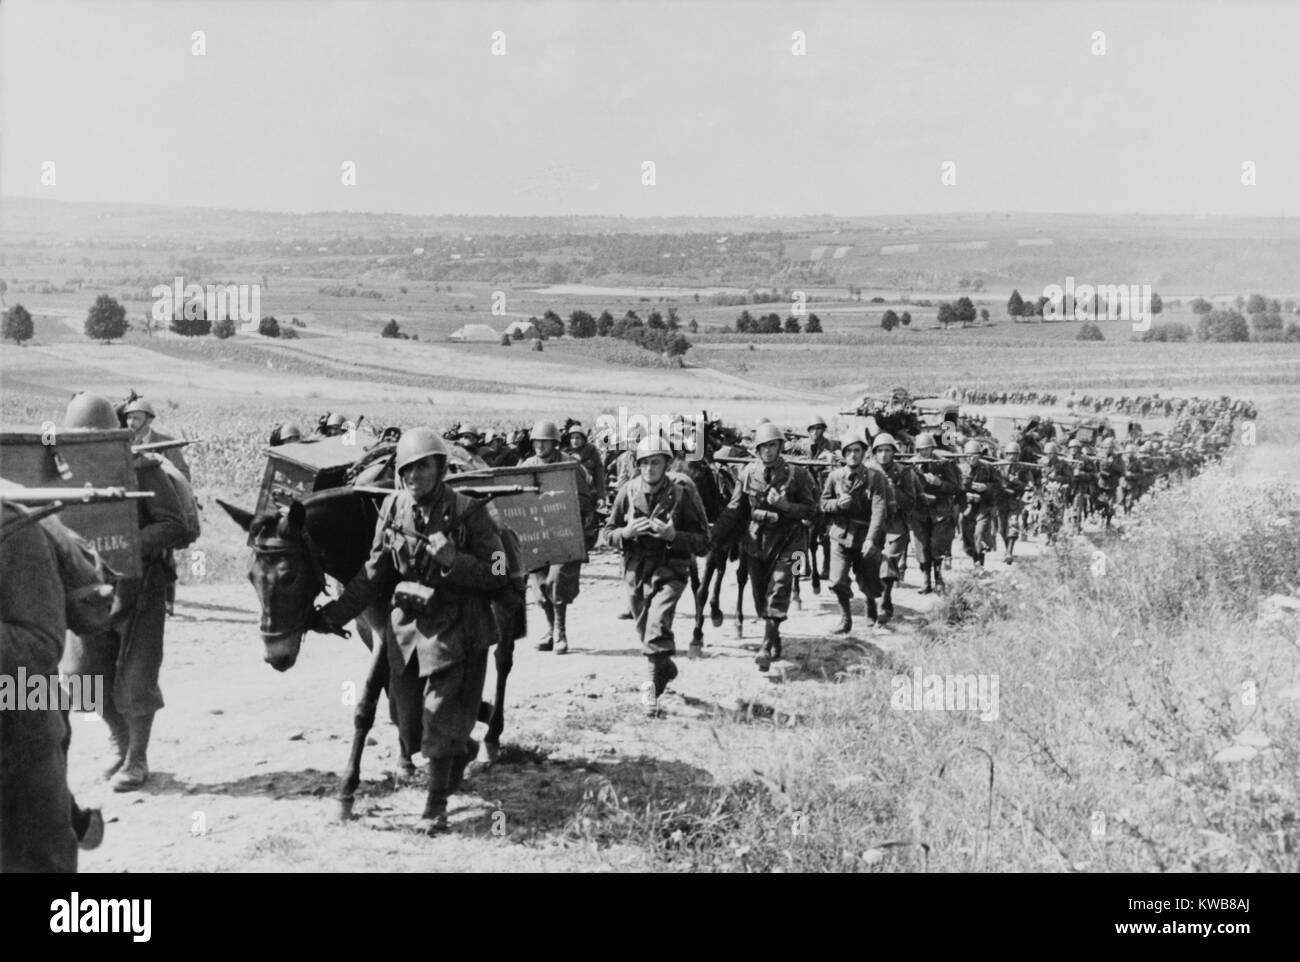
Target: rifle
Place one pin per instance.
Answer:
(53, 500)
(163, 445)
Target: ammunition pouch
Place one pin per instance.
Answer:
(414, 598)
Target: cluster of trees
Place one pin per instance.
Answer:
(751, 297)
(393, 329)
(1017, 306)
(961, 312)
(338, 290)
(746, 323)
(658, 332)
(890, 320)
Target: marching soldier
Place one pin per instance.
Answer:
(139, 415)
(979, 521)
(855, 500)
(659, 523)
(139, 418)
(780, 497)
(1017, 481)
(816, 445)
(557, 586)
(589, 456)
(285, 434)
(129, 653)
(906, 489)
(1055, 478)
(52, 581)
(934, 522)
(439, 557)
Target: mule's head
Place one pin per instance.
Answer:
(286, 575)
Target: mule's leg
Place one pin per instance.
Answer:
(718, 568)
(742, 579)
(363, 720)
(505, 660)
(697, 591)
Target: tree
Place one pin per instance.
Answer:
(5, 287)
(1201, 306)
(269, 327)
(551, 325)
(905, 319)
(1240, 302)
(965, 311)
(106, 321)
(18, 325)
(656, 322)
(693, 326)
(224, 328)
(604, 323)
(1089, 331)
(947, 314)
(745, 323)
(813, 325)
(673, 321)
(677, 344)
(984, 314)
(582, 324)
(1222, 326)
(1256, 304)
(196, 326)
(1266, 327)
(792, 325)
(1016, 305)
(391, 329)
(889, 320)
(771, 324)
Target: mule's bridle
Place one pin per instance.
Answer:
(276, 546)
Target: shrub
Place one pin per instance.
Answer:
(269, 326)
(1089, 331)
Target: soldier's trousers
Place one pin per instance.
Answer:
(36, 833)
(932, 533)
(770, 582)
(129, 654)
(653, 598)
(897, 537)
(979, 526)
(1009, 519)
(438, 712)
(558, 584)
(864, 568)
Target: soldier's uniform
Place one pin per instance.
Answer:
(129, 653)
(437, 648)
(855, 501)
(51, 581)
(558, 585)
(775, 535)
(1017, 481)
(655, 571)
(591, 458)
(175, 455)
(979, 523)
(934, 522)
(905, 489)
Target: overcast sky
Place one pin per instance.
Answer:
(708, 90)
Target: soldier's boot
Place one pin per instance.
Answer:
(846, 617)
(561, 639)
(873, 615)
(546, 644)
(459, 763)
(764, 658)
(660, 670)
(939, 585)
(794, 594)
(929, 587)
(119, 737)
(979, 558)
(135, 770)
(434, 819)
(1011, 547)
(774, 631)
(887, 602)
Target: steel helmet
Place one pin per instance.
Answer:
(334, 421)
(972, 447)
(139, 405)
(850, 438)
(1051, 447)
(417, 444)
(576, 428)
(1074, 443)
(650, 446)
(924, 440)
(545, 431)
(817, 422)
(1012, 448)
(285, 433)
(883, 440)
(766, 433)
(466, 429)
(91, 411)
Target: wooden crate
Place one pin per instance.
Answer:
(295, 470)
(549, 523)
(101, 459)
